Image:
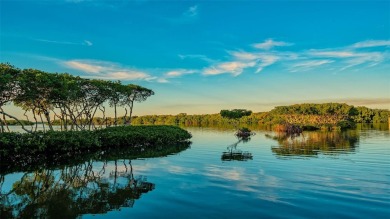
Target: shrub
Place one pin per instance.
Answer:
(16, 146)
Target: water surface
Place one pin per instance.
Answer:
(317, 174)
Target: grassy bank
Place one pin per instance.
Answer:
(24, 149)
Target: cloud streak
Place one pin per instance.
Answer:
(262, 59)
(270, 43)
(235, 68)
(188, 16)
(342, 58)
(106, 70)
(196, 56)
(371, 43)
(308, 65)
(192, 11)
(257, 59)
(84, 43)
(178, 73)
(349, 58)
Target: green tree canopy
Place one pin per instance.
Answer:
(235, 113)
(71, 99)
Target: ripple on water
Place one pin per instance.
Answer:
(324, 175)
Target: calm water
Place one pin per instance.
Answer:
(316, 175)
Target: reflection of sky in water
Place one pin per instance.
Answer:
(197, 183)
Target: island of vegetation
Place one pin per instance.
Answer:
(307, 116)
(237, 114)
(73, 103)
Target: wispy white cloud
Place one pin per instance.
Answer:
(77, 1)
(178, 73)
(262, 59)
(253, 60)
(310, 64)
(371, 43)
(245, 55)
(84, 43)
(162, 80)
(192, 11)
(106, 70)
(333, 54)
(348, 57)
(235, 68)
(174, 74)
(270, 43)
(107, 4)
(196, 56)
(241, 60)
(313, 63)
(339, 58)
(371, 59)
(187, 16)
(266, 60)
(85, 66)
(88, 43)
(127, 75)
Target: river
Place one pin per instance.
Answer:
(314, 175)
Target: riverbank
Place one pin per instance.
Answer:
(54, 147)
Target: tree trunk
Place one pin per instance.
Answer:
(47, 115)
(5, 122)
(131, 111)
(43, 124)
(17, 120)
(115, 121)
(2, 127)
(91, 121)
(35, 119)
(124, 117)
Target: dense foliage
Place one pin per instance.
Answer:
(305, 115)
(317, 109)
(71, 100)
(235, 114)
(366, 115)
(22, 149)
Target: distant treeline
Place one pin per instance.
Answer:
(316, 115)
(14, 122)
(301, 114)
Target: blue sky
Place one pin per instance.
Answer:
(204, 56)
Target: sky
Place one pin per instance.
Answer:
(203, 56)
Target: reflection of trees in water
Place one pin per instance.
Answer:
(233, 153)
(229, 127)
(79, 186)
(80, 189)
(381, 130)
(313, 143)
(375, 126)
(56, 161)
